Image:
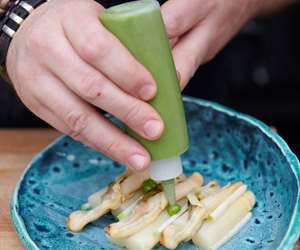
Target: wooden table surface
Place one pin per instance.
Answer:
(17, 148)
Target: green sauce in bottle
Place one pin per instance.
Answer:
(139, 26)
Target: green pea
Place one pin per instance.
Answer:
(149, 185)
(210, 218)
(85, 207)
(173, 209)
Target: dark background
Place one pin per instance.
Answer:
(257, 73)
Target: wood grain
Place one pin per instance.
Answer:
(17, 148)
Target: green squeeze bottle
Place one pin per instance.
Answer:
(140, 28)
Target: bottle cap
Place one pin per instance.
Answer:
(166, 169)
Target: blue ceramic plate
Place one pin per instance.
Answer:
(225, 145)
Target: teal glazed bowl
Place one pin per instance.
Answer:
(224, 145)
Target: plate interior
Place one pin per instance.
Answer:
(222, 147)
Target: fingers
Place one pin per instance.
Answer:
(173, 41)
(95, 88)
(39, 109)
(79, 120)
(191, 51)
(179, 17)
(101, 49)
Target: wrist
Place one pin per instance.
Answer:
(10, 22)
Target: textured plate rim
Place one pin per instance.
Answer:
(293, 231)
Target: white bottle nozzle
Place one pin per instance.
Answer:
(166, 169)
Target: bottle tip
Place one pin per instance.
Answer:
(166, 169)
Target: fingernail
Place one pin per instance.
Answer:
(153, 128)
(137, 161)
(147, 92)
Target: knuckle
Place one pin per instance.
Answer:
(91, 87)
(172, 25)
(192, 62)
(113, 149)
(21, 73)
(28, 101)
(77, 123)
(137, 77)
(68, 6)
(133, 114)
(35, 41)
(94, 46)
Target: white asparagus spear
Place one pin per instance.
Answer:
(126, 208)
(213, 201)
(210, 188)
(132, 183)
(214, 232)
(229, 200)
(232, 232)
(147, 211)
(107, 199)
(185, 227)
(148, 237)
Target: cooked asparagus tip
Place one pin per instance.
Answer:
(147, 211)
(219, 230)
(78, 219)
(149, 185)
(85, 207)
(107, 199)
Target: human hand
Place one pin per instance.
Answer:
(199, 29)
(63, 64)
